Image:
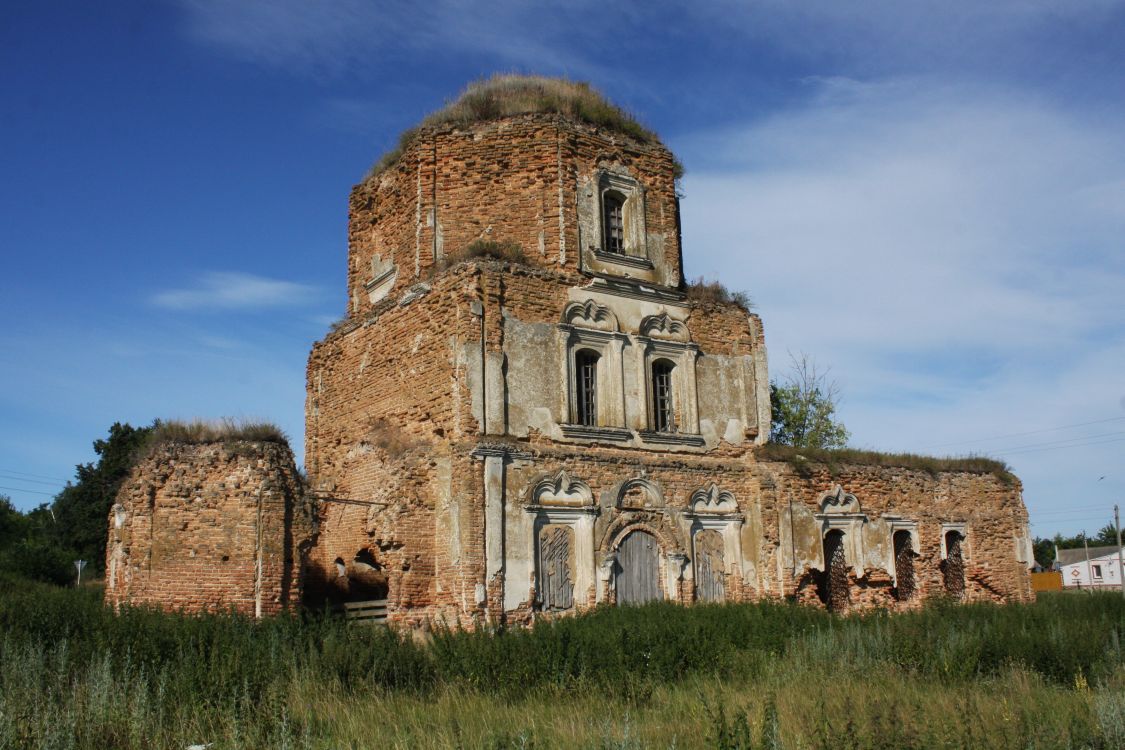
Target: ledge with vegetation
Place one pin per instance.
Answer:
(511, 95)
(833, 458)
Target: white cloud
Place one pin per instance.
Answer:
(955, 254)
(235, 291)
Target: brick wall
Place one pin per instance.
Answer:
(209, 527)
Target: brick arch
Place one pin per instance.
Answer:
(626, 524)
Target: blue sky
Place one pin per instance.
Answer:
(929, 198)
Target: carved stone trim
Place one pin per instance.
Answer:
(653, 492)
(713, 500)
(837, 501)
(672, 438)
(561, 490)
(663, 327)
(584, 432)
(620, 259)
(590, 314)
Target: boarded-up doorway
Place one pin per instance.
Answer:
(709, 585)
(556, 580)
(638, 569)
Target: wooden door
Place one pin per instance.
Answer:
(638, 569)
(709, 585)
(556, 584)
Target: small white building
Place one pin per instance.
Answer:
(1096, 567)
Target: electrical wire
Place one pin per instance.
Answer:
(1021, 434)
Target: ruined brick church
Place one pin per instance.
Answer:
(524, 411)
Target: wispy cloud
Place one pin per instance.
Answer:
(235, 291)
(333, 35)
(955, 253)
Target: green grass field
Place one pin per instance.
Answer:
(1048, 675)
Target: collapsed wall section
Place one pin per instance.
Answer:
(209, 527)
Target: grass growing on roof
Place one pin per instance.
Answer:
(509, 95)
(225, 430)
(715, 292)
(932, 464)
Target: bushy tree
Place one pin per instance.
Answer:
(803, 408)
(81, 510)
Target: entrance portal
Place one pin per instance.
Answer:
(638, 569)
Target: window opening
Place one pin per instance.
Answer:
(904, 566)
(835, 593)
(586, 366)
(953, 566)
(613, 209)
(1097, 572)
(663, 416)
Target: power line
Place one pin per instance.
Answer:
(1058, 447)
(29, 474)
(31, 481)
(1021, 434)
(33, 492)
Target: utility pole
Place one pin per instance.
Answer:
(1089, 570)
(1120, 564)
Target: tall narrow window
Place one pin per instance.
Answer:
(586, 387)
(613, 213)
(953, 566)
(663, 414)
(835, 579)
(904, 566)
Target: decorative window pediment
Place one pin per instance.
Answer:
(639, 493)
(561, 490)
(836, 502)
(663, 327)
(713, 500)
(590, 314)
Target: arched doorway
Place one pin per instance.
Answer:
(638, 569)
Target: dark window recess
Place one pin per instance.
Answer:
(663, 416)
(586, 364)
(953, 566)
(614, 213)
(834, 591)
(904, 566)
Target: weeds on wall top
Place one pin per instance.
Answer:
(504, 250)
(510, 95)
(714, 292)
(802, 459)
(201, 431)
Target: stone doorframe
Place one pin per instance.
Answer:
(716, 509)
(562, 500)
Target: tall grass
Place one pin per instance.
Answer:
(1051, 674)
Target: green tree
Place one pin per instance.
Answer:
(81, 510)
(803, 408)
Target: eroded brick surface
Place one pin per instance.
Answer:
(209, 527)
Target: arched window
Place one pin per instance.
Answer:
(835, 589)
(663, 408)
(953, 566)
(904, 566)
(613, 216)
(586, 387)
